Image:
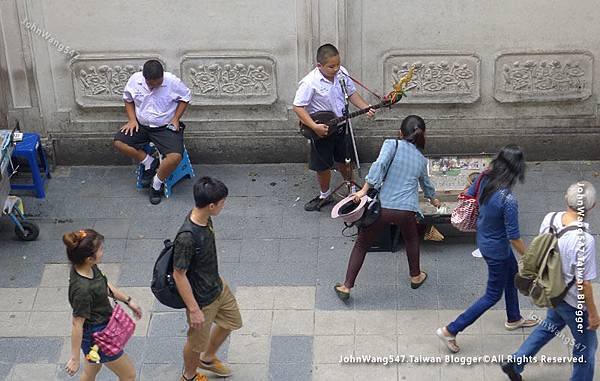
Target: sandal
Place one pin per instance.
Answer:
(414, 286)
(449, 341)
(343, 295)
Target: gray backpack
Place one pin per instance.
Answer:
(540, 273)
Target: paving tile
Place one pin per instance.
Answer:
(256, 322)
(168, 324)
(20, 274)
(293, 322)
(255, 298)
(262, 227)
(164, 350)
(26, 372)
(112, 271)
(291, 350)
(248, 372)
(5, 369)
(329, 349)
(55, 275)
(329, 372)
(17, 299)
(229, 250)
(375, 322)
(9, 348)
(39, 350)
(375, 372)
(371, 297)
(49, 324)
(153, 371)
(297, 298)
(142, 250)
(375, 345)
(249, 349)
(461, 373)
(424, 321)
(290, 372)
(416, 344)
(329, 323)
(113, 227)
(14, 324)
(260, 250)
(298, 250)
(411, 372)
(52, 299)
(136, 275)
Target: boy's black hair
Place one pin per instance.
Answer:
(152, 70)
(325, 52)
(209, 191)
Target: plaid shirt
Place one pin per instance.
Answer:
(409, 169)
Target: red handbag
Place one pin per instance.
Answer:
(464, 216)
(113, 338)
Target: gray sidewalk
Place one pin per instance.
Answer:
(282, 263)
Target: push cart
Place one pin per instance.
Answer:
(12, 206)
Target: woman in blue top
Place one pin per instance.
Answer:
(399, 196)
(497, 229)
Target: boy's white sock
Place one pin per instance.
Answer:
(156, 182)
(147, 162)
(325, 194)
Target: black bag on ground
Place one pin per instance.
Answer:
(163, 285)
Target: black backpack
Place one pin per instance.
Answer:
(163, 284)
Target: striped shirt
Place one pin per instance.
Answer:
(408, 169)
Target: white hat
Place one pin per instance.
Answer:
(349, 210)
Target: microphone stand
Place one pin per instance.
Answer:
(348, 138)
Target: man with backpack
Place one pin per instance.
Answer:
(206, 296)
(577, 309)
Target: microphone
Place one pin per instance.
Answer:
(344, 88)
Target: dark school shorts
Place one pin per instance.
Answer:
(325, 152)
(165, 140)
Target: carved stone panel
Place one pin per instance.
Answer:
(438, 77)
(543, 76)
(99, 81)
(231, 79)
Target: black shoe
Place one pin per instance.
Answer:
(156, 195)
(508, 369)
(317, 203)
(149, 173)
(414, 286)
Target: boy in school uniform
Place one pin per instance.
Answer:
(320, 90)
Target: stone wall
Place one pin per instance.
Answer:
(486, 74)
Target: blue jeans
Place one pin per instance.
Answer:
(585, 343)
(501, 278)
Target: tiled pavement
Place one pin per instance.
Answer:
(281, 262)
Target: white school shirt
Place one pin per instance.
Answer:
(155, 107)
(570, 247)
(317, 93)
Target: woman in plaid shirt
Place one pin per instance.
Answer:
(399, 196)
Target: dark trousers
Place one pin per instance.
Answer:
(406, 222)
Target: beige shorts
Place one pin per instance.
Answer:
(224, 312)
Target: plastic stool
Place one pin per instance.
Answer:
(30, 149)
(183, 169)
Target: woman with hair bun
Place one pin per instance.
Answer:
(88, 296)
(406, 169)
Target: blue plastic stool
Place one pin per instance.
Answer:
(30, 148)
(183, 169)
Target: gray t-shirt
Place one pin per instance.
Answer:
(573, 249)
